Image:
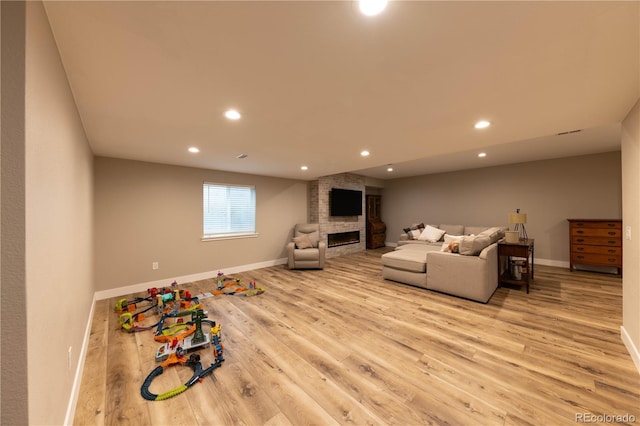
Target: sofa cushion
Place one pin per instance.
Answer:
(407, 260)
(473, 245)
(453, 229)
(306, 254)
(495, 233)
(423, 246)
(431, 234)
(474, 230)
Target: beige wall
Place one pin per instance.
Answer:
(147, 212)
(631, 218)
(548, 191)
(58, 232)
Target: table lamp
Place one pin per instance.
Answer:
(519, 219)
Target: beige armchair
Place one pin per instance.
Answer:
(306, 251)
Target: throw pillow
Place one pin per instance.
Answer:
(450, 247)
(303, 242)
(431, 234)
(451, 238)
(414, 231)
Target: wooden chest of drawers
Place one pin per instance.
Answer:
(376, 233)
(596, 242)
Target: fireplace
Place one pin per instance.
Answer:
(343, 238)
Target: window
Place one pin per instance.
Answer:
(228, 210)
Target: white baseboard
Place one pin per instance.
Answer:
(77, 380)
(135, 288)
(390, 244)
(551, 262)
(633, 351)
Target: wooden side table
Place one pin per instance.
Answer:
(523, 249)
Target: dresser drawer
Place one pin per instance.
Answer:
(596, 241)
(596, 232)
(596, 259)
(596, 224)
(577, 249)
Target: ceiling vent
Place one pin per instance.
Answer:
(569, 132)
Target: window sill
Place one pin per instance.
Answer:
(229, 237)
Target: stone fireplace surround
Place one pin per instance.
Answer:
(319, 211)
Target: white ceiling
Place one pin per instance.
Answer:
(317, 82)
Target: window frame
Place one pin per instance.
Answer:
(228, 234)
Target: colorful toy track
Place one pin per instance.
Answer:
(179, 357)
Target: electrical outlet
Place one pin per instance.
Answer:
(69, 358)
(154, 266)
(627, 232)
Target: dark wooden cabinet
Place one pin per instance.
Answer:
(518, 272)
(596, 242)
(376, 228)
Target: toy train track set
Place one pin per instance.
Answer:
(180, 337)
(178, 357)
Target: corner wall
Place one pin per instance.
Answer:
(631, 220)
(59, 228)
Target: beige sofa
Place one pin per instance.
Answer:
(472, 273)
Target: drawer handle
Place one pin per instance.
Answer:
(579, 231)
(611, 242)
(611, 251)
(580, 223)
(581, 249)
(612, 233)
(580, 240)
(580, 257)
(611, 225)
(612, 260)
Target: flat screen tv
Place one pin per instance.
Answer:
(345, 202)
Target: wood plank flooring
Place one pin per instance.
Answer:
(344, 346)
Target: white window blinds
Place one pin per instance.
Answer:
(228, 210)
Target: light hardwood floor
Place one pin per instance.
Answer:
(344, 346)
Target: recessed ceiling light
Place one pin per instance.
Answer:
(241, 156)
(304, 168)
(483, 124)
(482, 154)
(232, 114)
(372, 7)
(365, 153)
(193, 150)
(389, 169)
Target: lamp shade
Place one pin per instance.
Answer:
(519, 218)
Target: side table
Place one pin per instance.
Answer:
(523, 249)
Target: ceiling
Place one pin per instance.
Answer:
(318, 82)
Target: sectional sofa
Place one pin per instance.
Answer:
(454, 259)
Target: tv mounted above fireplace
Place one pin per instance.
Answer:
(345, 202)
